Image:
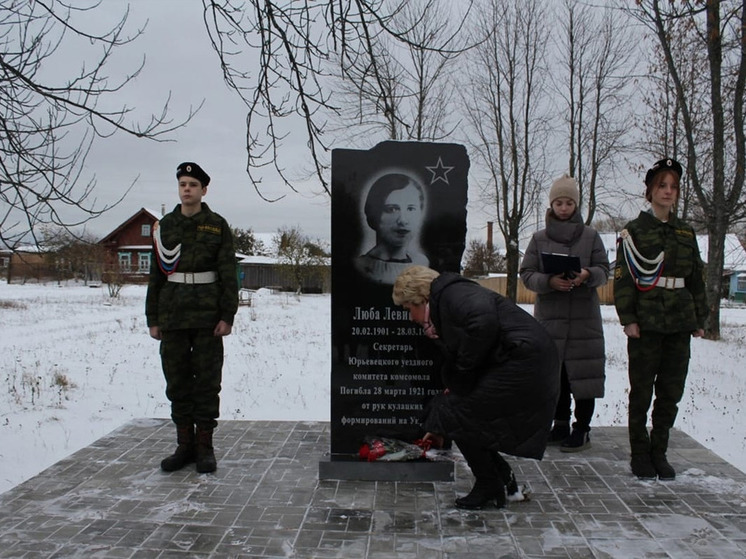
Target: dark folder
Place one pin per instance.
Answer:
(559, 263)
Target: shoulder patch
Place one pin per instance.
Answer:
(617, 273)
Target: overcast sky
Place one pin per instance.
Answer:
(179, 59)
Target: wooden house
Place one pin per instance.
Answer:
(129, 247)
(256, 272)
(26, 264)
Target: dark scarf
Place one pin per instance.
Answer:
(565, 232)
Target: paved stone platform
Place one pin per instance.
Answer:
(266, 501)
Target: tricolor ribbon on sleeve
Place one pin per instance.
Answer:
(168, 259)
(645, 271)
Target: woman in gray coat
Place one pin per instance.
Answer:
(567, 305)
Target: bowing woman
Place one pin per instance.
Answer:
(501, 373)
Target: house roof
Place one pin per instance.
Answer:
(258, 259)
(734, 253)
(28, 249)
(134, 216)
(271, 260)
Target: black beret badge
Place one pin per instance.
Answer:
(190, 169)
(663, 165)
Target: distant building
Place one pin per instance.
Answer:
(5, 256)
(24, 264)
(129, 247)
(129, 252)
(734, 266)
(256, 272)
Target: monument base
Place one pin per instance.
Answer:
(353, 469)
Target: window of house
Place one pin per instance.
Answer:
(143, 262)
(741, 283)
(4, 262)
(145, 230)
(125, 261)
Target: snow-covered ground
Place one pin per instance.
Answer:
(76, 364)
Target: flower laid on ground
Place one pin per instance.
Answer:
(389, 450)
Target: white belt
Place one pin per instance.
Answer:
(193, 277)
(670, 283)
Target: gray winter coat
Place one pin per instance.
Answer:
(573, 319)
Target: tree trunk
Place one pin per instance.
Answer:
(512, 261)
(713, 278)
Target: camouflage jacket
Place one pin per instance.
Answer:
(206, 245)
(659, 309)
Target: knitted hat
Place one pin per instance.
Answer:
(193, 170)
(564, 187)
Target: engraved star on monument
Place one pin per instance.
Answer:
(439, 172)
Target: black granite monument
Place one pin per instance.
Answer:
(396, 205)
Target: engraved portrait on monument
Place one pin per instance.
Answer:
(394, 210)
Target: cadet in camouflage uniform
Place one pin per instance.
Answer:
(659, 313)
(191, 301)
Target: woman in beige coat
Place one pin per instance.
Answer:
(567, 305)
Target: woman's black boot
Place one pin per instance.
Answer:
(483, 493)
(488, 487)
(514, 493)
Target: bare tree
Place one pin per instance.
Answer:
(716, 167)
(287, 47)
(481, 259)
(299, 256)
(74, 255)
(610, 224)
(48, 123)
(663, 129)
(594, 89)
(508, 129)
(371, 98)
(405, 88)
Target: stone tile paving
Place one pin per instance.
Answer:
(266, 501)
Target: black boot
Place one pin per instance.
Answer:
(508, 477)
(206, 462)
(642, 466)
(664, 470)
(577, 441)
(186, 451)
(484, 492)
(658, 447)
(559, 433)
(488, 487)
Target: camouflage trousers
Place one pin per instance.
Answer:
(658, 364)
(192, 361)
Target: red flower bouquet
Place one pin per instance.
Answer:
(389, 450)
